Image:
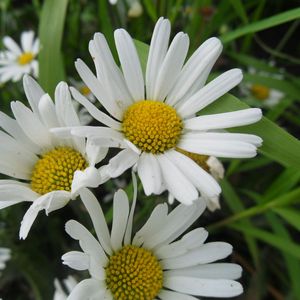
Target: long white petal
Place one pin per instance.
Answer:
(171, 66)
(120, 218)
(47, 111)
(130, 63)
(170, 295)
(224, 120)
(11, 45)
(27, 40)
(176, 182)
(150, 173)
(87, 289)
(193, 70)
(76, 260)
(201, 179)
(157, 52)
(204, 287)
(210, 92)
(98, 219)
(94, 111)
(87, 242)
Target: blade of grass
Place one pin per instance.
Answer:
(278, 19)
(51, 67)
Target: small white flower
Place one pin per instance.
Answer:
(5, 255)
(16, 61)
(263, 95)
(159, 262)
(153, 120)
(52, 169)
(60, 293)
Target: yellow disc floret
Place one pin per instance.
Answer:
(200, 159)
(260, 92)
(55, 170)
(25, 58)
(134, 274)
(152, 126)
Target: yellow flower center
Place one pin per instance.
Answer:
(201, 160)
(260, 92)
(134, 274)
(25, 58)
(152, 126)
(84, 90)
(55, 170)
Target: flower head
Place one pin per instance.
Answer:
(49, 170)
(152, 119)
(156, 263)
(16, 61)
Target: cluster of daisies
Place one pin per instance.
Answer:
(52, 157)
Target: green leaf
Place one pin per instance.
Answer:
(274, 240)
(240, 10)
(262, 25)
(290, 215)
(151, 9)
(277, 143)
(51, 68)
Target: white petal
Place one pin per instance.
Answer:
(153, 224)
(121, 162)
(27, 40)
(171, 66)
(177, 222)
(224, 120)
(94, 111)
(98, 90)
(11, 45)
(12, 127)
(95, 153)
(206, 253)
(12, 192)
(98, 219)
(204, 287)
(90, 177)
(49, 202)
(219, 148)
(157, 51)
(86, 289)
(33, 93)
(210, 92)
(87, 242)
(176, 182)
(189, 241)
(193, 71)
(31, 125)
(202, 180)
(47, 111)
(76, 260)
(111, 75)
(209, 271)
(149, 173)
(130, 64)
(120, 218)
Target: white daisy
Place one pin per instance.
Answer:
(60, 293)
(157, 263)
(5, 255)
(154, 118)
(16, 61)
(263, 95)
(49, 170)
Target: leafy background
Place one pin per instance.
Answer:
(260, 213)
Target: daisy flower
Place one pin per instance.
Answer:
(60, 293)
(4, 257)
(16, 61)
(48, 170)
(263, 95)
(152, 120)
(157, 263)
